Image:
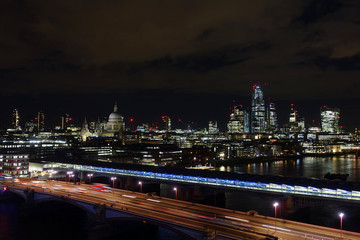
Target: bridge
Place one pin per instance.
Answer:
(342, 191)
(193, 221)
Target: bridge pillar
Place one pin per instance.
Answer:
(209, 234)
(289, 203)
(198, 194)
(131, 184)
(295, 203)
(29, 195)
(83, 176)
(122, 182)
(100, 211)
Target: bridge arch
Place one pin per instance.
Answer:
(86, 207)
(18, 193)
(178, 230)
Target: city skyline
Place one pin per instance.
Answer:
(250, 116)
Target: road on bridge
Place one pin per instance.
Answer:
(223, 222)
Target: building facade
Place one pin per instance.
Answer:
(258, 123)
(14, 164)
(330, 119)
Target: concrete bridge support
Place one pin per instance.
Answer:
(294, 203)
(29, 195)
(100, 211)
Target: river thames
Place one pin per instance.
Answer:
(308, 167)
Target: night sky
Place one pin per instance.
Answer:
(186, 59)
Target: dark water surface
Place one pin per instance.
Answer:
(309, 167)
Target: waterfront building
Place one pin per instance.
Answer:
(257, 111)
(330, 119)
(14, 164)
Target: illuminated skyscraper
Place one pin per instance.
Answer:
(296, 124)
(40, 121)
(272, 123)
(246, 122)
(167, 123)
(15, 119)
(293, 114)
(237, 123)
(257, 111)
(330, 119)
(65, 121)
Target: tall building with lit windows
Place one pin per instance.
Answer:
(272, 122)
(166, 123)
(40, 121)
(246, 122)
(296, 124)
(293, 114)
(237, 121)
(330, 119)
(213, 128)
(258, 112)
(15, 119)
(14, 164)
(65, 121)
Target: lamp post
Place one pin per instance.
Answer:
(341, 215)
(113, 179)
(276, 204)
(90, 175)
(69, 175)
(140, 183)
(175, 189)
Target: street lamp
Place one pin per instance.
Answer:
(69, 175)
(175, 189)
(90, 175)
(113, 179)
(276, 204)
(341, 215)
(140, 183)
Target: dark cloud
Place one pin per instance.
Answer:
(300, 49)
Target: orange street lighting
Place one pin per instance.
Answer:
(276, 204)
(341, 215)
(175, 189)
(113, 179)
(90, 175)
(140, 183)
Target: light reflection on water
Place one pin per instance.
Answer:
(309, 167)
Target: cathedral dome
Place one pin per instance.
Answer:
(115, 122)
(115, 117)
